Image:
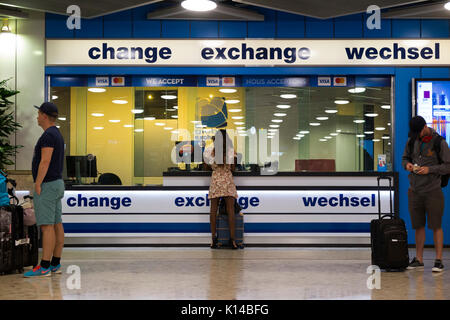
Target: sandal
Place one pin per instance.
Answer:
(233, 244)
(214, 243)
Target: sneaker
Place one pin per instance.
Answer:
(56, 269)
(415, 264)
(438, 266)
(38, 272)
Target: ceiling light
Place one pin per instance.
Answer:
(357, 90)
(114, 121)
(314, 124)
(389, 123)
(368, 132)
(232, 101)
(338, 131)
(175, 107)
(227, 90)
(235, 110)
(199, 5)
(331, 111)
(360, 135)
(196, 121)
(97, 90)
(288, 96)
(334, 134)
(149, 118)
(98, 128)
(277, 120)
(274, 125)
(168, 128)
(323, 140)
(380, 128)
(240, 128)
(327, 137)
(5, 27)
(376, 140)
(138, 130)
(54, 97)
(296, 138)
(385, 137)
(371, 115)
(97, 114)
(280, 114)
(137, 110)
(283, 106)
(237, 117)
(119, 101)
(270, 137)
(58, 127)
(322, 118)
(447, 6)
(304, 132)
(341, 101)
(386, 107)
(359, 121)
(300, 135)
(62, 118)
(171, 110)
(161, 124)
(175, 116)
(272, 130)
(240, 123)
(150, 97)
(128, 126)
(168, 97)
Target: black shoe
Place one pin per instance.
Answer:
(214, 243)
(233, 244)
(415, 264)
(438, 266)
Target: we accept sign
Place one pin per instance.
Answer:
(249, 52)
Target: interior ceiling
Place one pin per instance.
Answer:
(234, 9)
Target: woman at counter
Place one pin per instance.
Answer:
(221, 157)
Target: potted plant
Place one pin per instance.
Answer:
(8, 126)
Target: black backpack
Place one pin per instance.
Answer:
(437, 149)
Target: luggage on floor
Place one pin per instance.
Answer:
(388, 237)
(223, 232)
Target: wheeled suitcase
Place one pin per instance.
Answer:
(388, 237)
(223, 231)
(19, 245)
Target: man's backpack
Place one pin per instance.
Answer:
(437, 149)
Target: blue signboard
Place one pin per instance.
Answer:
(269, 81)
(169, 81)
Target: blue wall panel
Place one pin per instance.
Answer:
(290, 25)
(263, 29)
(406, 28)
(435, 28)
(232, 29)
(384, 31)
(55, 26)
(435, 73)
(349, 26)
(90, 28)
(142, 27)
(118, 25)
(316, 28)
(204, 29)
(175, 29)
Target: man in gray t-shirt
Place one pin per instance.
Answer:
(425, 197)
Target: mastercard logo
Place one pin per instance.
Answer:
(118, 81)
(339, 80)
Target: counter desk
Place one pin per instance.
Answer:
(287, 208)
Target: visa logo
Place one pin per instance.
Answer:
(212, 81)
(102, 81)
(324, 81)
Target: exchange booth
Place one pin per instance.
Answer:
(310, 145)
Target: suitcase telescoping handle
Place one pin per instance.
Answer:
(391, 214)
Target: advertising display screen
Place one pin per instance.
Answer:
(432, 103)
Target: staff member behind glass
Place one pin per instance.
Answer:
(222, 159)
(425, 197)
(47, 167)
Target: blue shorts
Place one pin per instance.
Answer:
(47, 205)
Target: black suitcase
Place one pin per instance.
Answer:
(223, 231)
(19, 245)
(389, 238)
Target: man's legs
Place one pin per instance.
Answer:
(438, 235)
(420, 243)
(48, 241)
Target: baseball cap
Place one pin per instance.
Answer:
(416, 124)
(48, 108)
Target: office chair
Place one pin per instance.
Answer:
(109, 179)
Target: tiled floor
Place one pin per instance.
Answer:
(201, 273)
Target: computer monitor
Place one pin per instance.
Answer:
(81, 166)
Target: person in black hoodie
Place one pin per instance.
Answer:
(425, 197)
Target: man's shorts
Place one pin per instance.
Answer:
(424, 207)
(47, 205)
